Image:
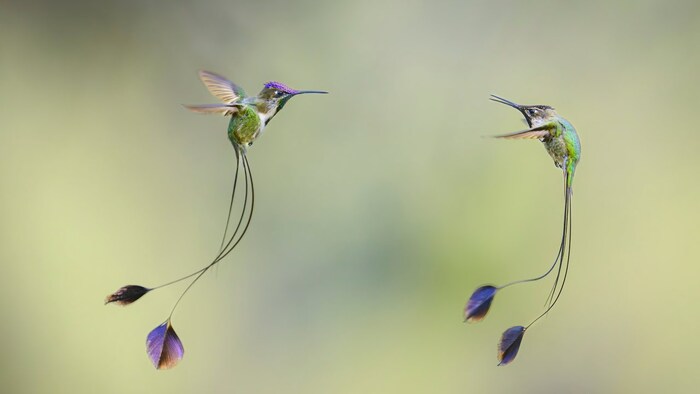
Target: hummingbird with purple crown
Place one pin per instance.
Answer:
(562, 143)
(249, 117)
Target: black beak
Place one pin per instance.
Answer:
(310, 91)
(509, 103)
(506, 102)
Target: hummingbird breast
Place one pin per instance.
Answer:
(564, 146)
(556, 147)
(245, 126)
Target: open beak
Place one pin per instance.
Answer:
(509, 103)
(506, 102)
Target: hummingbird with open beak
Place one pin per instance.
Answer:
(562, 143)
(249, 117)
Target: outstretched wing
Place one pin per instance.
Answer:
(224, 109)
(542, 131)
(221, 88)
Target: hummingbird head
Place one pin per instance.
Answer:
(275, 95)
(535, 115)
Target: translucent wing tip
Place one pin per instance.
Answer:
(220, 87)
(224, 109)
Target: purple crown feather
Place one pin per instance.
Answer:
(281, 87)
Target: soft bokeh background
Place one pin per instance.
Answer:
(380, 207)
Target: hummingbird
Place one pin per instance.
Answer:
(249, 114)
(249, 117)
(562, 143)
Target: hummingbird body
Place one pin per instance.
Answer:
(245, 126)
(564, 147)
(556, 133)
(249, 114)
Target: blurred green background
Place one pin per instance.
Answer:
(380, 206)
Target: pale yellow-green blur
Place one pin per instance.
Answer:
(380, 207)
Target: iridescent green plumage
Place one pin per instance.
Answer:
(245, 126)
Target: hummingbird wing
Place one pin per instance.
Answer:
(221, 88)
(542, 131)
(225, 109)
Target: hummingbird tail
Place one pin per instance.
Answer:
(565, 246)
(552, 299)
(235, 238)
(233, 195)
(560, 253)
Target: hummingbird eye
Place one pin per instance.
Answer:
(278, 93)
(531, 112)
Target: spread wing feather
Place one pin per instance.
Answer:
(224, 109)
(221, 88)
(542, 131)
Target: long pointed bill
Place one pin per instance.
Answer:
(310, 91)
(506, 102)
(509, 103)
